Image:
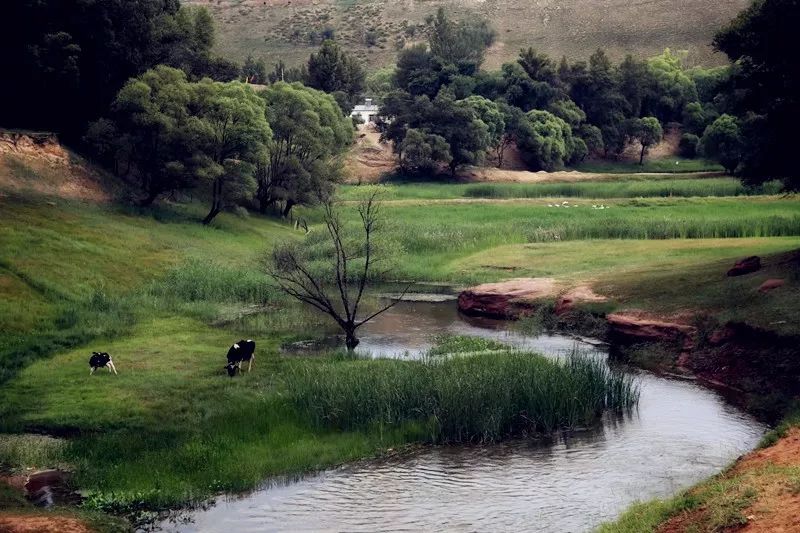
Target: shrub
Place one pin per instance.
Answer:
(688, 145)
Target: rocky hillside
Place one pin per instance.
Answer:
(375, 29)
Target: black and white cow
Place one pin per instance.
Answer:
(244, 350)
(100, 360)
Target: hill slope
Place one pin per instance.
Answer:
(373, 30)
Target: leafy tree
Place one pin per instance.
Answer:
(592, 138)
(539, 67)
(545, 140)
(254, 71)
(568, 111)
(281, 72)
(672, 89)
(232, 134)
(762, 42)
(420, 72)
(71, 58)
(332, 70)
(380, 83)
(512, 117)
(596, 90)
(521, 91)
(461, 43)
(421, 152)
(648, 132)
(695, 118)
(147, 136)
(490, 114)
(689, 145)
(636, 84)
(309, 133)
(722, 142)
(465, 133)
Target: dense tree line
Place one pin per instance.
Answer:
(136, 82)
(64, 61)
(558, 113)
(439, 107)
(277, 148)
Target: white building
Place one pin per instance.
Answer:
(367, 112)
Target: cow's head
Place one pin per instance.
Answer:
(231, 368)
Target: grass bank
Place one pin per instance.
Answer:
(666, 164)
(631, 187)
(483, 397)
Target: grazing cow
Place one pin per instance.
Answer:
(244, 350)
(100, 360)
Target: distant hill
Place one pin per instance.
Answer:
(373, 30)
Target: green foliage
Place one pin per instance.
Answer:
(148, 135)
(489, 113)
(672, 86)
(722, 142)
(420, 152)
(647, 131)
(689, 145)
(332, 70)
(466, 135)
(459, 43)
(545, 141)
(461, 399)
(231, 134)
(254, 70)
(77, 57)
(309, 134)
(767, 86)
(695, 118)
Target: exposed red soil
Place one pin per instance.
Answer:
(38, 162)
(507, 299)
(776, 508)
(25, 523)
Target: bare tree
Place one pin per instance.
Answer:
(334, 293)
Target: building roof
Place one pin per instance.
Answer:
(365, 107)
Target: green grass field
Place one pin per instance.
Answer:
(619, 186)
(163, 294)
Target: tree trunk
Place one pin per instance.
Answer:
(216, 202)
(287, 208)
(149, 199)
(641, 156)
(350, 339)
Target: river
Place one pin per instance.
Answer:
(680, 434)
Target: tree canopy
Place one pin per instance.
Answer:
(309, 133)
(65, 61)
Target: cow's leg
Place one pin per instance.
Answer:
(112, 367)
(250, 364)
(91, 370)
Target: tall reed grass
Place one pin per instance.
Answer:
(462, 399)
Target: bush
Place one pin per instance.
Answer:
(688, 145)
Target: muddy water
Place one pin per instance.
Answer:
(681, 434)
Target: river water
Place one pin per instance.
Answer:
(680, 434)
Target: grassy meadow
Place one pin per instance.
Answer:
(166, 296)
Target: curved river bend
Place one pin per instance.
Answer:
(680, 434)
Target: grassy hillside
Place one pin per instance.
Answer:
(374, 29)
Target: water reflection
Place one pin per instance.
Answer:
(680, 434)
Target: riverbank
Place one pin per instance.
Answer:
(164, 295)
